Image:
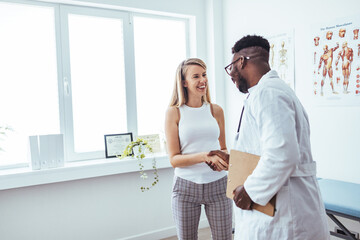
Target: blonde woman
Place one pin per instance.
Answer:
(193, 128)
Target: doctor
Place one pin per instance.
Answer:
(275, 126)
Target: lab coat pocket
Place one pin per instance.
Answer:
(283, 209)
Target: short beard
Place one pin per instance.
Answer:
(242, 84)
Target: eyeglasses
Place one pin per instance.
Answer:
(229, 67)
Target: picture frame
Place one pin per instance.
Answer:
(115, 144)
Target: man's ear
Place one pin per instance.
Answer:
(243, 62)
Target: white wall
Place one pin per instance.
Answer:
(335, 130)
(111, 207)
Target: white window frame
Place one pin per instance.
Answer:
(55, 7)
(71, 155)
(189, 51)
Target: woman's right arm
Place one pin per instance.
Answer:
(173, 144)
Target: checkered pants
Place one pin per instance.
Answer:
(187, 199)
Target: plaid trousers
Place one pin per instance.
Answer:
(187, 198)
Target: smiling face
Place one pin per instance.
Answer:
(238, 79)
(196, 80)
(240, 82)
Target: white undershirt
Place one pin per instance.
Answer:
(198, 132)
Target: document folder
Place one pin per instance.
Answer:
(241, 165)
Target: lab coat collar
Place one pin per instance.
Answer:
(269, 74)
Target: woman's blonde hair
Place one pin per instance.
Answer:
(180, 94)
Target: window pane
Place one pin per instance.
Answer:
(28, 77)
(97, 79)
(160, 45)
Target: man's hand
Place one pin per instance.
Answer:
(218, 160)
(242, 199)
(223, 155)
(212, 166)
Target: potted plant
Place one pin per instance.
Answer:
(137, 149)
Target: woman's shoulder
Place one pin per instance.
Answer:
(217, 110)
(173, 113)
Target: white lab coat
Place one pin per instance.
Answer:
(275, 126)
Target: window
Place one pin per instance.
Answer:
(96, 71)
(97, 80)
(160, 46)
(29, 100)
(84, 72)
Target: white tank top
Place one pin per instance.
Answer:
(198, 132)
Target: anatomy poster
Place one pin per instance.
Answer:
(336, 62)
(282, 56)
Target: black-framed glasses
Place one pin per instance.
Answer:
(229, 67)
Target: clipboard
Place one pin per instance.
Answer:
(241, 165)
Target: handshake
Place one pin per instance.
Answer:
(218, 160)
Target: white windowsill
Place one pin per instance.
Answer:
(24, 177)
